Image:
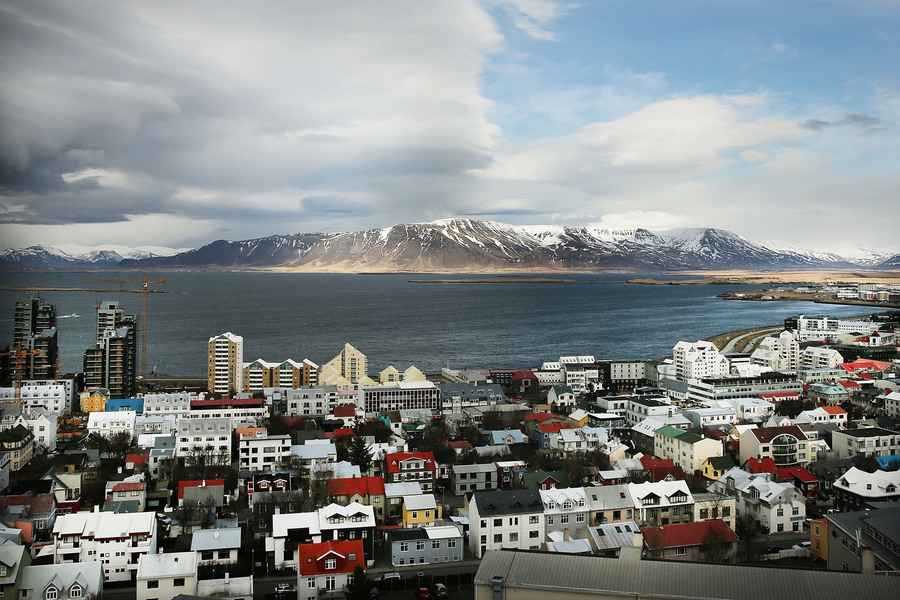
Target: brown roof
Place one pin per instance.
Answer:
(767, 434)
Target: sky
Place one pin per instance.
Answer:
(173, 124)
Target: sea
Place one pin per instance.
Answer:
(393, 319)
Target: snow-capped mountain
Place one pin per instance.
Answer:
(469, 244)
(45, 257)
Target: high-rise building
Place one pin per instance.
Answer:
(34, 349)
(289, 374)
(225, 363)
(111, 362)
(699, 360)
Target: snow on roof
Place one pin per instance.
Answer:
(283, 522)
(440, 532)
(663, 489)
(170, 564)
(216, 539)
(419, 502)
(404, 488)
(871, 485)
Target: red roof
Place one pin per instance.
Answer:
(866, 365)
(339, 433)
(687, 534)
(523, 375)
(136, 458)
(459, 444)
(767, 434)
(653, 462)
(554, 427)
(798, 472)
(541, 416)
(834, 410)
(760, 465)
(191, 483)
(128, 487)
(394, 459)
(312, 557)
(349, 486)
(848, 385)
(344, 410)
(228, 403)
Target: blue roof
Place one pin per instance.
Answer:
(499, 437)
(888, 463)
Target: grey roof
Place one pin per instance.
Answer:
(591, 575)
(608, 497)
(614, 535)
(36, 578)
(508, 502)
(475, 468)
(216, 539)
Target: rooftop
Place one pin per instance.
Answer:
(687, 534)
(171, 564)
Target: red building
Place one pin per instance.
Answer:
(327, 567)
(411, 466)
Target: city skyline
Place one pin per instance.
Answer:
(173, 127)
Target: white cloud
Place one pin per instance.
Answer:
(534, 17)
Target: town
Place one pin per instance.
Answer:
(770, 469)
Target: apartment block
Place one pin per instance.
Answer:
(225, 361)
(506, 519)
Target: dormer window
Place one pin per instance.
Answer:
(75, 591)
(51, 594)
(330, 564)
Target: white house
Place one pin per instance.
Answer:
(259, 450)
(318, 456)
(506, 519)
(561, 397)
(115, 539)
(565, 509)
(662, 502)
(177, 403)
(206, 438)
(108, 424)
(164, 576)
(815, 357)
(834, 415)
(776, 507)
(216, 547)
(699, 360)
(583, 439)
(54, 396)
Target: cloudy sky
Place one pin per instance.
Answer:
(172, 124)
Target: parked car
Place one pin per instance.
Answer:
(423, 593)
(392, 577)
(440, 591)
(284, 588)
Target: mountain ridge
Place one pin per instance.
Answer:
(463, 244)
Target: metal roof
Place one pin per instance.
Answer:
(216, 539)
(591, 575)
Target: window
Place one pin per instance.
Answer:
(75, 591)
(311, 582)
(404, 546)
(514, 537)
(179, 582)
(564, 519)
(51, 593)
(533, 520)
(498, 538)
(420, 545)
(206, 555)
(532, 534)
(795, 510)
(680, 551)
(451, 543)
(498, 522)
(435, 544)
(415, 514)
(726, 511)
(152, 584)
(331, 564)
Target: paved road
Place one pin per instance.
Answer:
(757, 333)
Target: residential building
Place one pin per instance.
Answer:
(204, 439)
(818, 538)
(289, 531)
(892, 404)
(314, 401)
(691, 541)
(52, 396)
(34, 346)
(16, 447)
(787, 446)
(165, 576)
(866, 441)
(687, 449)
(583, 439)
(368, 491)
(565, 510)
(662, 502)
(318, 457)
(111, 363)
(505, 519)
(817, 357)
(458, 396)
(643, 408)
(411, 466)
(708, 505)
(823, 415)
(108, 424)
(239, 411)
(68, 581)
(579, 374)
(129, 495)
(216, 547)
(201, 492)
(115, 540)
(261, 451)
(327, 567)
(394, 493)
(608, 539)
(426, 545)
(349, 367)
(225, 361)
(727, 388)
(41, 424)
(865, 541)
(514, 575)
(775, 507)
(403, 395)
(609, 504)
(822, 327)
(856, 488)
(643, 434)
(699, 360)
(14, 559)
(420, 510)
(175, 403)
(561, 397)
(716, 466)
(829, 394)
(711, 416)
(781, 353)
(510, 472)
(474, 478)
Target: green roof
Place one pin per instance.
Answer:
(670, 431)
(722, 463)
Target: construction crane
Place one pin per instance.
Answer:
(147, 286)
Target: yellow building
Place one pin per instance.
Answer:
(349, 367)
(818, 538)
(225, 363)
(94, 400)
(715, 466)
(420, 510)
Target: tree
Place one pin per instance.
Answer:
(119, 444)
(715, 548)
(360, 454)
(746, 529)
(491, 421)
(376, 428)
(361, 586)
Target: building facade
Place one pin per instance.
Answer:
(225, 361)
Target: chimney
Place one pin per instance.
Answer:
(868, 561)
